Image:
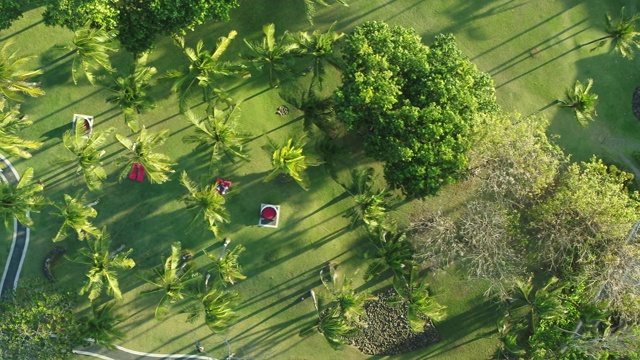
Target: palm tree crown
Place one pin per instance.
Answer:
(103, 261)
(370, 206)
(16, 201)
(320, 46)
(101, 325)
(203, 71)
(90, 49)
(276, 54)
(86, 154)
(208, 201)
(76, 216)
(621, 33)
(289, 160)
(14, 79)
(581, 101)
(130, 92)
(218, 134)
(156, 165)
(10, 123)
(227, 265)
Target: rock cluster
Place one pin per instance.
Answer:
(388, 331)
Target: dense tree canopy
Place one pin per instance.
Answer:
(138, 22)
(10, 10)
(416, 103)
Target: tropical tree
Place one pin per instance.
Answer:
(10, 123)
(420, 305)
(102, 262)
(218, 134)
(581, 101)
(171, 280)
(208, 201)
(275, 54)
(75, 214)
(310, 7)
(227, 266)
(317, 110)
(622, 34)
(288, 160)
(11, 11)
(392, 251)
(320, 47)
(333, 326)
(203, 72)
(370, 205)
(86, 154)
(219, 305)
(101, 326)
(91, 47)
(156, 165)
(349, 303)
(15, 81)
(16, 201)
(131, 92)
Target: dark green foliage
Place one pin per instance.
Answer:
(10, 10)
(417, 104)
(138, 22)
(38, 323)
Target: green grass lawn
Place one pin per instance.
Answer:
(528, 47)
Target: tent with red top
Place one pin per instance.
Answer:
(269, 215)
(137, 172)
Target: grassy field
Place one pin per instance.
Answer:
(530, 49)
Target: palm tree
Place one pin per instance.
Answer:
(415, 294)
(317, 110)
(16, 201)
(321, 48)
(288, 160)
(15, 81)
(276, 54)
(217, 133)
(86, 154)
(333, 326)
(102, 261)
(530, 304)
(349, 303)
(76, 216)
(227, 265)
(101, 325)
(219, 307)
(310, 7)
(370, 206)
(203, 71)
(171, 280)
(393, 251)
(130, 92)
(581, 101)
(156, 165)
(91, 47)
(621, 33)
(10, 123)
(208, 201)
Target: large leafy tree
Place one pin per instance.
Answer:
(217, 133)
(87, 154)
(131, 92)
(138, 22)
(103, 264)
(17, 200)
(90, 49)
(75, 214)
(581, 101)
(622, 34)
(171, 280)
(11, 11)
(37, 322)
(10, 123)
(416, 104)
(141, 151)
(15, 80)
(275, 54)
(204, 71)
(207, 200)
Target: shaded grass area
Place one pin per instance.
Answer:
(530, 48)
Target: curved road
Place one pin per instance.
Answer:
(11, 274)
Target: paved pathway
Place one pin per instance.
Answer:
(121, 353)
(20, 241)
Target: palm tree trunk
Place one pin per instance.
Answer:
(596, 40)
(224, 248)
